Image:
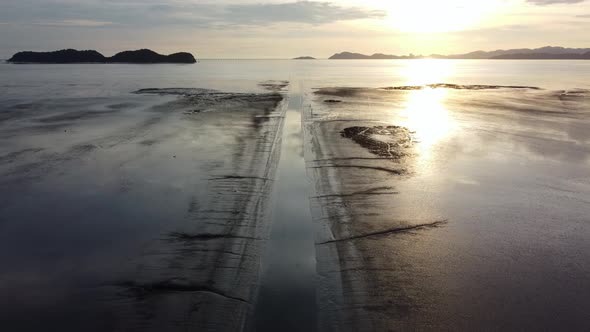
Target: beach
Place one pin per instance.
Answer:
(281, 195)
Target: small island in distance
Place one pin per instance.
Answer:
(547, 53)
(143, 56)
(305, 58)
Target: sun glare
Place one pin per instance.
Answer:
(427, 71)
(436, 16)
(425, 112)
(427, 116)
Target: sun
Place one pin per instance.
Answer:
(436, 16)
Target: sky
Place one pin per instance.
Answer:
(290, 28)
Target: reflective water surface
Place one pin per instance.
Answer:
(456, 206)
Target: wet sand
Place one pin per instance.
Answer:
(295, 206)
(451, 210)
(103, 180)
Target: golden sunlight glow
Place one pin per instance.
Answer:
(435, 16)
(426, 115)
(425, 112)
(427, 71)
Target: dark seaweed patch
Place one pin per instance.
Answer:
(392, 141)
(274, 85)
(405, 87)
(459, 87)
(341, 92)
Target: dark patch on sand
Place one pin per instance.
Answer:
(74, 116)
(172, 285)
(274, 85)
(194, 101)
(332, 101)
(175, 91)
(375, 168)
(148, 142)
(405, 87)
(459, 87)
(390, 231)
(574, 94)
(18, 111)
(15, 155)
(340, 92)
(369, 192)
(239, 177)
(392, 141)
(191, 112)
(121, 106)
(82, 148)
(182, 236)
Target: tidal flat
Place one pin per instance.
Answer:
(451, 209)
(155, 203)
(295, 196)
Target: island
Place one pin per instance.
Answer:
(143, 56)
(305, 58)
(547, 52)
(544, 56)
(359, 56)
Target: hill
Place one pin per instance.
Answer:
(547, 52)
(545, 56)
(91, 56)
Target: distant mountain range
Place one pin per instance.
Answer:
(143, 56)
(304, 58)
(548, 52)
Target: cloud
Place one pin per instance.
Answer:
(156, 13)
(74, 23)
(552, 2)
(298, 12)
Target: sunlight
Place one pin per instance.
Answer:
(425, 112)
(435, 16)
(427, 71)
(426, 115)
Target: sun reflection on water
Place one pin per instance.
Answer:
(425, 111)
(427, 71)
(426, 115)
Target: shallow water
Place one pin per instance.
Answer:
(287, 296)
(155, 211)
(478, 220)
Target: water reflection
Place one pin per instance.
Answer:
(424, 111)
(425, 114)
(427, 71)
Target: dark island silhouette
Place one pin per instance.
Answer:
(143, 56)
(305, 58)
(547, 52)
(376, 56)
(545, 56)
